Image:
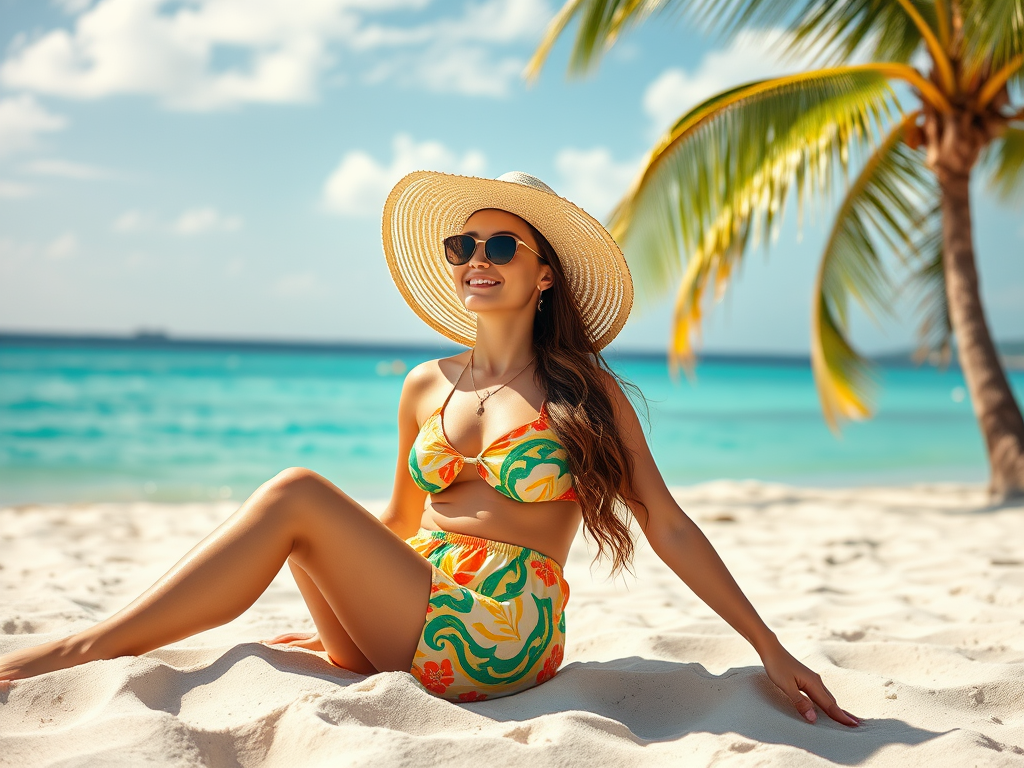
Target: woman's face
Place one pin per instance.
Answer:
(484, 286)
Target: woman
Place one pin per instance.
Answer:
(504, 450)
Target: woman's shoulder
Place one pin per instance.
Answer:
(431, 373)
(621, 392)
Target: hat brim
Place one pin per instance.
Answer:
(427, 206)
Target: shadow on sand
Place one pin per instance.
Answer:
(664, 701)
(642, 700)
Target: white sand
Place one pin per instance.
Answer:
(909, 602)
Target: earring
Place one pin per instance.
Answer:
(541, 299)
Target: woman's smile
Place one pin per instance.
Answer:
(482, 282)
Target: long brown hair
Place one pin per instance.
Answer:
(569, 370)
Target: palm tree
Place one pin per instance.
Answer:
(717, 181)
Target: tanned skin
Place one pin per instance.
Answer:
(365, 588)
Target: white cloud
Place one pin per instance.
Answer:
(198, 221)
(64, 247)
(491, 21)
(750, 56)
(22, 119)
(460, 54)
(133, 221)
(593, 179)
(65, 169)
(15, 190)
(468, 71)
(360, 184)
(194, 221)
(212, 54)
(143, 47)
(505, 20)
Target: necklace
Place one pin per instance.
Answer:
(480, 410)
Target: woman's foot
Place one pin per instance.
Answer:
(40, 659)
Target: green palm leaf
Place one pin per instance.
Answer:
(600, 24)
(837, 27)
(928, 281)
(893, 30)
(993, 34)
(720, 177)
(880, 213)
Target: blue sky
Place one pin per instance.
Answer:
(217, 167)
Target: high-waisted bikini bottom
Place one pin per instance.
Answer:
(495, 622)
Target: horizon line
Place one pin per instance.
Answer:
(158, 339)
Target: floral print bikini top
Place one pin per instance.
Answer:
(526, 464)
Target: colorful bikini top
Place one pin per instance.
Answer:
(526, 464)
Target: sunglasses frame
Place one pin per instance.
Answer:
(476, 244)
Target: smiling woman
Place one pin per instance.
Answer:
(459, 582)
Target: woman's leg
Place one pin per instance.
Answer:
(338, 644)
(376, 585)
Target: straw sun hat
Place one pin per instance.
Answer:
(427, 206)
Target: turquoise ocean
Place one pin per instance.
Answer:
(95, 423)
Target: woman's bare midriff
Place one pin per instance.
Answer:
(472, 507)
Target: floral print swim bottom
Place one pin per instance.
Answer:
(495, 622)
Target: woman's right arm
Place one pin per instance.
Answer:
(405, 510)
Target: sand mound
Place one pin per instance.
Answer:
(908, 601)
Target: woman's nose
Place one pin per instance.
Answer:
(479, 259)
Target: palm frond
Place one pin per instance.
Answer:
(993, 34)
(714, 261)
(943, 22)
(892, 31)
(727, 167)
(1012, 72)
(881, 208)
(600, 22)
(656, 274)
(1004, 162)
(834, 29)
(928, 281)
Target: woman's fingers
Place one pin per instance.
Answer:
(277, 640)
(289, 637)
(794, 679)
(821, 696)
(802, 703)
(309, 640)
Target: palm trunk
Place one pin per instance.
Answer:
(997, 411)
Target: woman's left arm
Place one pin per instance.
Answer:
(678, 541)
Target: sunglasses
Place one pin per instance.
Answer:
(499, 249)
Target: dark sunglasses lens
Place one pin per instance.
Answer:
(458, 249)
(501, 248)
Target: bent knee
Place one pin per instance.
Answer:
(297, 475)
(296, 481)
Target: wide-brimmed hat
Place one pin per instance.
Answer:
(427, 206)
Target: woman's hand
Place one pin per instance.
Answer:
(792, 677)
(307, 640)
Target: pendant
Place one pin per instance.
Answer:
(480, 410)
